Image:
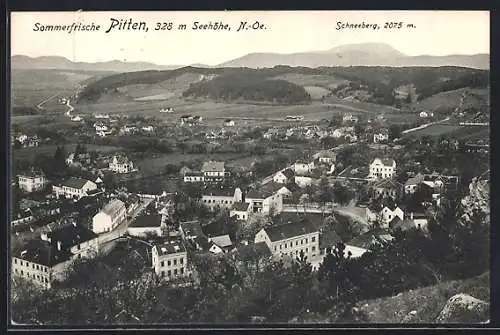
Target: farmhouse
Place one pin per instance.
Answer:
(121, 164)
(32, 181)
(220, 244)
(228, 123)
(169, 260)
(74, 188)
(303, 168)
(325, 157)
(45, 260)
(348, 117)
(290, 239)
(381, 136)
(284, 176)
(382, 168)
(265, 200)
(109, 217)
(214, 171)
(241, 210)
(388, 188)
(221, 197)
(385, 215)
(412, 184)
(194, 177)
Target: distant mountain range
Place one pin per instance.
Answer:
(363, 54)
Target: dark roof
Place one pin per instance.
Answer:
(42, 252)
(369, 238)
(289, 230)
(251, 251)
(193, 173)
(219, 191)
(152, 220)
(74, 182)
(170, 247)
(415, 180)
(213, 166)
(113, 207)
(388, 183)
(192, 228)
(32, 174)
(288, 173)
(264, 191)
(385, 161)
(71, 235)
(240, 206)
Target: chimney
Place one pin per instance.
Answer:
(59, 245)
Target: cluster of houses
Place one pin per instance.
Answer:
(190, 120)
(26, 141)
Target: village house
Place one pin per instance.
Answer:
(194, 177)
(325, 157)
(303, 168)
(32, 181)
(74, 188)
(381, 136)
(348, 117)
(221, 197)
(241, 210)
(385, 215)
(284, 176)
(169, 260)
(109, 217)
(382, 168)
(148, 128)
(121, 164)
(220, 244)
(45, 260)
(290, 239)
(78, 160)
(265, 200)
(214, 171)
(127, 129)
(388, 188)
(228, 123)
(413, 183)
(100, 127)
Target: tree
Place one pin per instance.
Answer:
(395, 131)
(334, 271)
(324, 192)
(248, 229)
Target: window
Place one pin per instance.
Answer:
(297, 242)
(169, 273)
(46, 280)
(15, 261)
(175, 261)
(15, 270)
(168, 262)
(306, 241)
(22, 272)
(313, 239)
(307, 249)
(274, 248)
(181, 260)
(162, 263)
(301, 242)
(32, 265)
(280, 246)
(182, 271)
(163, 273)
(175, 271)
(313, 248)
(285, 245)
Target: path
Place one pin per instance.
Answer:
(40, 105)
(425, 126)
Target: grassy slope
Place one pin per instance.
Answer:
(427, 301)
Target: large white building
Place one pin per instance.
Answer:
(46, 260)
(170, 260)
(109, 217)
(74, 188)
(121, 164)
(266, 200)
(382, 168)
(290, 239)
(32, 181)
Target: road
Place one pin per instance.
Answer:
(70, 108)
(40, 105)
(424, 126)
(121, 229)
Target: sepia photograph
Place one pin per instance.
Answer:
(249, 168)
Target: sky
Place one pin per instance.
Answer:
(434, 33)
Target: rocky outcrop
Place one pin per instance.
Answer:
(463, 308)
(478, 200)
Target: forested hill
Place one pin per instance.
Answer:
(261, 84)
(251, 88)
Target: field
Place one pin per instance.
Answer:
(451, 99)
(156, 165)
(455, 131)
(316, 92)
(312, 80)
(30, 87)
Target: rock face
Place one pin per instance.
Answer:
(463, 308)
(477, 200)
